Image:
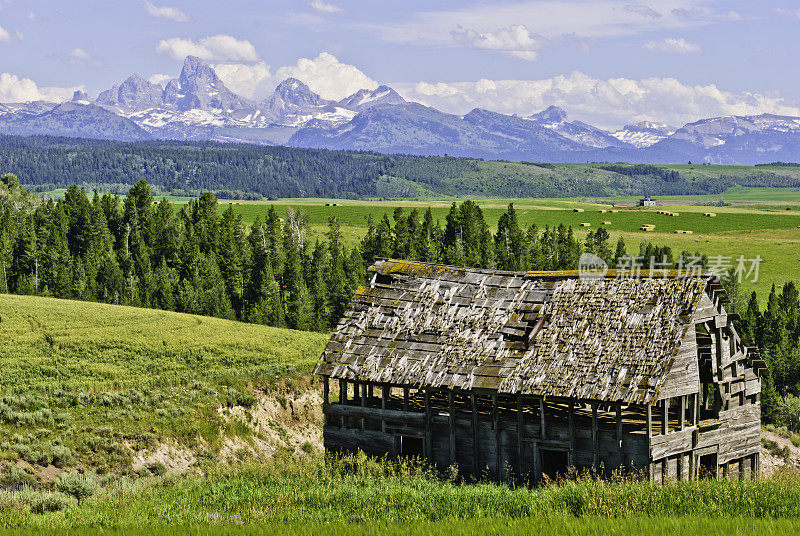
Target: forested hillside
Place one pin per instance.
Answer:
(245, 171)
(130, 250)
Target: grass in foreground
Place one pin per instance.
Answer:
(361, 491)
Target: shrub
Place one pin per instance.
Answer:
(77, 485)
(61, 456)
(49, 502)
(788, 413)
(307, 447)
(14, 476)
(157, 468)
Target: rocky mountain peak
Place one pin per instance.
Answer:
(551, 114)
(81, 96)
(365, 98)
(294, 92)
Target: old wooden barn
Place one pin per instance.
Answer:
(521, 375)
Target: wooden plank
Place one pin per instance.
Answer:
(649, 434)
(405, 398)
(428, 430)
(496, 426)
(475, 442)
(408, 417)
(595, 447)
(682, 412)
(452, 426)
(520, 427)
(571, 424)
(541, 414)
(620, 446)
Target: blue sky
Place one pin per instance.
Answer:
(604, 61)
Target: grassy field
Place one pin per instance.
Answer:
(361, 492)
(50, 344)
(769, 230)
(90, 385)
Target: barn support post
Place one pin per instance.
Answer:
(363, 404)
(405, 398)
(620, 446)
(543, 429)
(665, 416)
(571, 423)
(595, 445)
(428, 428)
(475, 442)
(326, 397)
(683, 412)
(520, 426)
(648, 434)
(451, 410)
(385, 390)
(496, 426)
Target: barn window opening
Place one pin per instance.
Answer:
(555, 463)
(708, 466)
(411, 447)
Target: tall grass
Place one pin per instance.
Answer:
(360, 490)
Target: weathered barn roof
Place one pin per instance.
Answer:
(610, 338)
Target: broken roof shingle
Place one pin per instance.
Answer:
(537, 333)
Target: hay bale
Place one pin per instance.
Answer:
(577, 210)
(584, 224)
(710, 214)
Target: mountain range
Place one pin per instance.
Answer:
(197, 105)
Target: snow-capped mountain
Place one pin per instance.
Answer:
(197, 105)
(134, 94)
(644, 133)
(364, 98)
(555, 119)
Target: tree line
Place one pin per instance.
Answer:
(131, 250)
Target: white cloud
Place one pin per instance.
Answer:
(15, 89)
(223, 48)
(325, 75)
(324, 7)
(78, 56)
(608, 103)
(7, 36)
(253, 81)
(788, 12)
(547, 23)
(160, 79)
(676, 46)
(165, 12)
(516, 40)
(733, 15)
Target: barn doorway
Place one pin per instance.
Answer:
(554, 462)
(411, 447)
(707, 466)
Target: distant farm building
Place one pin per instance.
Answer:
(526, 374)
(647, 202)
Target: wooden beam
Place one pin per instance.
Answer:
(543, 429)
(520, 427)
(695, 410)
(496, 418)
(385, 393)
(428, 430)
(683, 412)
(620, 446)
(405, 398)
(475, 443)
(363, 404)
(595, 441)
(665, 416)
(343, 391)
(405, 417)
(571, 419)
(451, 409)
(326, 396)
(648, 434)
